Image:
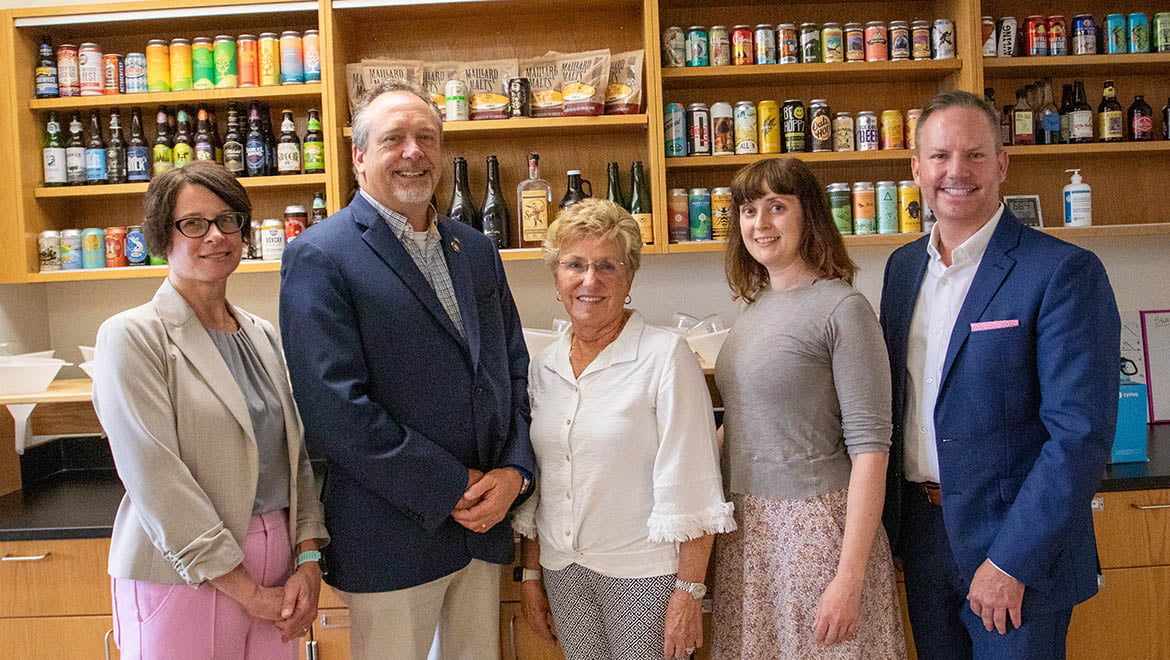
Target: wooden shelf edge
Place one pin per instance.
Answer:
(1095, 148)
(522, 125)
(911, 67)
(689, 162)
(520, 254)
(118, 189)
(1109, 231)
(170, 98)
(137, 272)
(1119, 61)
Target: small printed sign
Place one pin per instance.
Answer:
(1026, 208)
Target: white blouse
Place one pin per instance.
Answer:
(626, 453)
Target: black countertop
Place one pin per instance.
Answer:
(78, 504)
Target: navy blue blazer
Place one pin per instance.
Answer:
(396, 400)
(1025, 415)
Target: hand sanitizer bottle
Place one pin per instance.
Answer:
(1078, 204)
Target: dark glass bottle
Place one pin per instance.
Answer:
(137, 153)
(313, 149)
(288, 147)
(184, 150)
(1005, 125)
(989, 96)
(162, 154)
(233, 145)
(575, 189)
(640, 202)
(75, 151)
(95, 151)
(1081, 123)
(1166, 120)
(255, 152)
(53, 152)
(116, 150)
(462, 206)
(319, 212)
(204, 145)
(1066, 106)
(216, 140)
(46, 70)
(1110, 120)
(270, 167)
(614, 186)
(1140, 120)
(494, 215)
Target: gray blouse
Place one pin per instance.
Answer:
(805, 381)
(267, 415)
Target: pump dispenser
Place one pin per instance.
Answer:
(1078, 204)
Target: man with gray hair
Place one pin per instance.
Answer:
(409, 367)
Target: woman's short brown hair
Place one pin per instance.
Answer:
(599, 219)
(821, 246)
(163, 192)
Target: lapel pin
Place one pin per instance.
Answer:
(455, 244)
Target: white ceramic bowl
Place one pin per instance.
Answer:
(88, 368)
(28, 375)
(86, 353)
(708, 345)
(538, 340)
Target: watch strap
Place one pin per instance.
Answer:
(531, 574)
(308, 556)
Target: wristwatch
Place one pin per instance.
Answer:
(313, 555)
(696, 589)
(531, 574)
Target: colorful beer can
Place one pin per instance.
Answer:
(698, 130)
(292, 59)
(1057, 35)
(68, 71)
(820, 126)
(892, 130)
(1160, 35)
(867, 131)
(1116, 37)
(272, 239)
(136, 253)
(990, 47)
(1036, 36)
(877, 44)
(248, 55)
(269, 59)
(674, 47)
(810, 43)
(227, 66)
(698, 46)
(674, 120)
(920, 40)
(720, 43)
(943, 39)
(899, 36)
(1139, 32)
(93, 248)
(768, 118)
(312, 56)
(202, 63)
(722, 129)
(765, 38)
(855, 42)
(71, 249)
(136, 81)
(1084, 35)
(843, 134)
(158, 66)
(887, 207)
(912, 117)
(746, 128)
(832, 43)
(794, 121)
(699, 207)
(787, 44)
(115, 241)
(181, 65)
(743, 48)
(114, 73)
(841, 207)
(721, 202)
(89, 66)
(864, 209)
(909, 207)
(678, 218)
(49, 250)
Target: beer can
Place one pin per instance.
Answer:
(698, 46)
(456, 95)
(1057, 35)
(136, 82)
(68, 71)
(1007, 36)
(990, 47)
(912, 117)
(89, 66)
(698, 130)
(899, 37)
(832, 43)
(248, 56)
(810, 43)
(886, 193)
(93, 248)
(678, 215)
(114, 73)
(519, 97)
(765, 38)
(943, 39)
(820, 126)
(311, 44)
(877, 44)
(227, 63)
(721, 203)
(202, 63)
(158, 66)
(841, 206)
(1160, 34)
(115, 241)
(674, 47)
(1116, 38)
(892, 130)
(269, 49)
(855, 42)
(843, 139)
(181, 65)
(674, 120)
(768, 117)
(292, 59)
(272, 239)
(793, 117)
(699, 214)
(920, 40)
(746, 130)
(1036, 36)
(864, 209)
(720, 43)
(71, 249)
(1084, 35)
(722, 129)
(867, 131)
(743, 48)
(136, 253)
(49, 250)
(787, 44)
(909, 207)
(1139, 32)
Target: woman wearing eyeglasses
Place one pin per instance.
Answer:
(629, 492)
(214, 548)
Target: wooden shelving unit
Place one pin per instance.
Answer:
(847, 72)
(119, 189)
(533, 127)
(1077, 65)
(839, 157)
(284, 92)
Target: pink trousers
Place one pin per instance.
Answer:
(179, 622)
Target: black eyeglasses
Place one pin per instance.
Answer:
(196, 226)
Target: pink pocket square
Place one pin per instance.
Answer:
(994, 325)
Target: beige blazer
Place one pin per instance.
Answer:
(183, 443)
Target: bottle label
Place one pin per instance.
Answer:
(115, 163)
(137, 164)
(183, 154)
(233, 157)
(1078, 208)
(162, 159)
(95, 164)
(55, 165)
(46, 84)
(314, 156)
(1143, 127)
(75, 164)
(646, 225)
(287, 126)
(1081, 125)
(1022, 125)
(53, 128)
(204, 151)
(1111, 125)
(314, 125)
(254, 155)
(288, 158)
(1051, 122)
(533, 215)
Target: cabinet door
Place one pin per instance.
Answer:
(331, 634)
(56, 638)
(518, 642)
(1133, 528)
(54, 578)
(1127, 619)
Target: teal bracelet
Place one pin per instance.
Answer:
(308, 556)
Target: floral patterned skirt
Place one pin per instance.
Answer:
(770, 574)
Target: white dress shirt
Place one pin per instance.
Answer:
(939, 300)
(626, 453)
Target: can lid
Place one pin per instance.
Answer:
(152, 42)
(246, 37)
(837, 187)
(743, 27)
(179, 41)
(699, 191)
(697, 27)
(854, 26)
(885, 184)
(786, 26)
(294, 208)
(804, 25)
(267, 35)
(224, 37)
(907, 184)
(290, 32)
(71, 232)
(718, 27)
(89, 44)
(308, 32)
(833, 24)
(697, 106)
(787, 101)
(862, 185)
(867, 112)
(763, 25)
(130, 55)
(202, 40)
(134, 228)
(721, 191)
(50, 232)
(898, 23)
(844, 114)
(745, 103)
(875, 23)
(678, 191)
(819, 101)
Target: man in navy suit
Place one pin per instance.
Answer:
(1003, 343)
(409, 368)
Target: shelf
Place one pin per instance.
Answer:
(1072, 234)
(839, 157)
(843, 72)
(1092, 148)
(116, 189)
(1076, 65)
(138, 272)
(289, 92)
(520, 254)
(125, 12)
(602, 124)
(411, 10)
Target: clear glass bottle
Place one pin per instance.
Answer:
(533, 204)
(1023, 126)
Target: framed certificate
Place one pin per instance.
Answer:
(1156, 345)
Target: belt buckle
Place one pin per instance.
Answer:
(932, 491)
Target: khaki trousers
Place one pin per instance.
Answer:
(464, 607)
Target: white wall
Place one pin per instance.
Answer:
(24, 318)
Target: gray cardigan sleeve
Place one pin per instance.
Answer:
(861, 375)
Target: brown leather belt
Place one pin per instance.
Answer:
(930, 490)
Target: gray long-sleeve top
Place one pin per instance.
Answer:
(805, 381)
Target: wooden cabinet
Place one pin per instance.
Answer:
(57, 638)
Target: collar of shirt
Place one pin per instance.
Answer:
(397, 222)
(622, 349)
(970, 252)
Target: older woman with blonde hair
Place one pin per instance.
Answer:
(629, 491)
